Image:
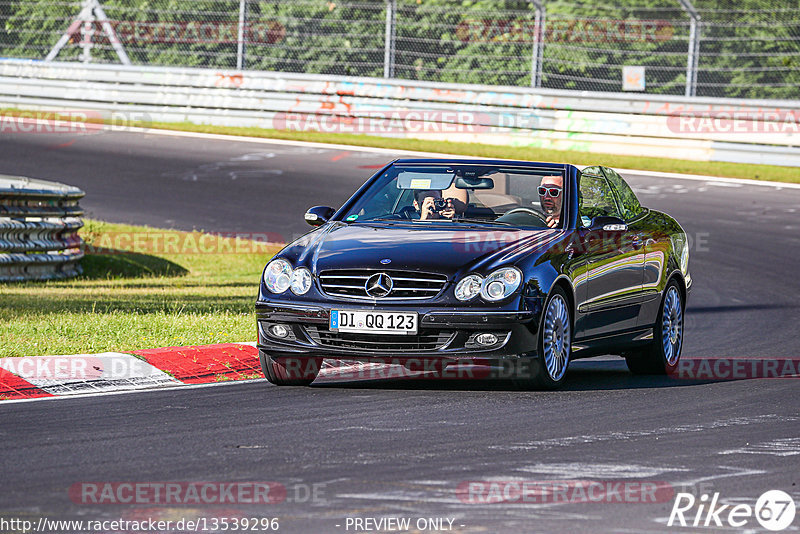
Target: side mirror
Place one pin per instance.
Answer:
(608, 224)
(319, 215)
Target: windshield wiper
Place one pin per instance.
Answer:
(483, 221)
(382, 218)
(393, 219)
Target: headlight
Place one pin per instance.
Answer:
(278, 276)
(501, 283)
(469, 287)
(301, 281)
(685, 259)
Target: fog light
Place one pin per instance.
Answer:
(486, 339)
(279, 330)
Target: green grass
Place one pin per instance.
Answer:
(150, 298)
(711, 168)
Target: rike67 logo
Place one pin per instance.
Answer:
(774, 510)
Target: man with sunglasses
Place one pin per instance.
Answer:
(551, 195)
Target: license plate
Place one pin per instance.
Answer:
(373, 322)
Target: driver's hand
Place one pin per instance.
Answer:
(552, 221)
(427, 208)
(449, 212)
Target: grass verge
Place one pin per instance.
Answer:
(141, 288)
(711, 168)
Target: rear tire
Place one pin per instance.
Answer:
(548, 369)
(661, 357)
(289, 371)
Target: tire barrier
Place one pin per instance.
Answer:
(39, 224)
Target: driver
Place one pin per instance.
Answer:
(457, 202)
(551, 196)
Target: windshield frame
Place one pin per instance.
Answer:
(390, 172)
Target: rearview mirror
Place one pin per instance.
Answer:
(474, 183)
(608, 224)
(319, 215)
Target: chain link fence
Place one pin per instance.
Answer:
(717, 48)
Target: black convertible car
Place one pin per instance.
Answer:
(514, 264)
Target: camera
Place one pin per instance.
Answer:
(439, 204)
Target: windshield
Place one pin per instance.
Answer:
(464, 193)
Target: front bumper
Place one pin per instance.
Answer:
(442, 333)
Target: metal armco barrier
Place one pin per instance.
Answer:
(39, 223)
(702, 129)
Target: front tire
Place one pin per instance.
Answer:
(289, 371)
(661, 357)
(548, 369)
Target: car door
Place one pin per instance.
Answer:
(615, 262)
(652, 245)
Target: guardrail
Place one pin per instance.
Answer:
(704, 129)
(39, 223)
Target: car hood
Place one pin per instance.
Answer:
(430, 248)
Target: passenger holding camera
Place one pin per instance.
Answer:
(434, 204)
(429, 204)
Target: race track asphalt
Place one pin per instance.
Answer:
(401, 447)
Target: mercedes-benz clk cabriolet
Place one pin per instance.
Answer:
(520, 265)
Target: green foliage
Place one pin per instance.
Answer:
(748, 48)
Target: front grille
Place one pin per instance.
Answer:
(424, 341)
(407, 285)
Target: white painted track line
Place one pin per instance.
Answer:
(397, 152)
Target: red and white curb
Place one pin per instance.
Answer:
(34, 377)
(49, 376)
